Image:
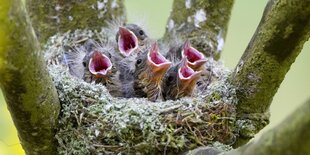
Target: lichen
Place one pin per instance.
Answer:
(188, 4)
(199, 17)
(50, 17)
(93, 122)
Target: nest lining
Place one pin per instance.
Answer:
(94, 122)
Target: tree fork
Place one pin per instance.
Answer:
(27, 87)
(279, 38)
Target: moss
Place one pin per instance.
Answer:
(92, 121)
(31, 98)
(50, 17)
(268, 57)
(4, 9)
(273, 49)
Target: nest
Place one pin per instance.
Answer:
(94, 122)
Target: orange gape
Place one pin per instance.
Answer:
(179, 81)
(150, 68)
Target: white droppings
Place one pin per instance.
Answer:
(170, 25)
(57, 7)
(189, 19)
(100, 5)
(200, 16)
(97, 132)
(114, 4)
(188, 4)
(93, 6)
(220, 42)
(70, 18)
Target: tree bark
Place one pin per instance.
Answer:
(291, 137)
(52, 16)
(279, 38)
(204, 22)
(27, 87)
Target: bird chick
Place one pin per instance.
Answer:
(74, 60)
(151, 66)
(131, 39)
(195, 58)
(127, 41)
(139, 32)
(179, 81)
(130, 42)
(100, 66)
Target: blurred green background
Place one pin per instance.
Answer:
(246, 15)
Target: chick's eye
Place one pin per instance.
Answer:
(84, 64)
(139, 61)
(141, 32)
(170, 78)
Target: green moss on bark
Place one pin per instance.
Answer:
(49, 17)
(279, 38)
(203, 22)
(28, 90)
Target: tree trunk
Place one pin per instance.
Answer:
(279, 38)
(52, 16)
(204, 22)
(28, 90)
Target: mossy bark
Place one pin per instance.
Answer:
(204, 22)
(52, 16)
(28, 90)
(290, 137)
(279, 38)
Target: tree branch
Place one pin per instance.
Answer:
(28, 90)
(292, 136)
(52, 16)
(204, 22)
(279, 38)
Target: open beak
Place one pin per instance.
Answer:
(157, 62)
(188, 77)
(127, 41)
(195, 58)
(99, 64)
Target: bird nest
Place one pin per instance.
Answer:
(94, 122)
